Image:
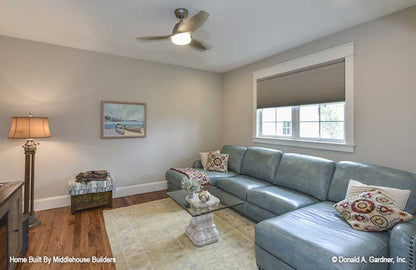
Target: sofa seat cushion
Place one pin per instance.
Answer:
(279, 200)
(176, 178)
(240, 185)
(308, 238)
(214, 176)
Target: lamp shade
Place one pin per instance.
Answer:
(29, 128)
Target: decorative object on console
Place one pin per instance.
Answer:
(91, 194)
(123, 120)
(203, 196)
(191, 186)
(196, 202)
(30, 128)
(195, 180)
(92, 176)
(217, 162)
(398, 197)
(204, 157)
(371, 211)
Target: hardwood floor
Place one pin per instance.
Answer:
(79, 235)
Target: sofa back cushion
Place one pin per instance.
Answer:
(371, 175)
(236, 155)
(261, 163)
(307, 174)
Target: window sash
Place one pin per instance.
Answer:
(295, 126)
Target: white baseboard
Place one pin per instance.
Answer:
(64, 200)
(139, 189)
(52, 202)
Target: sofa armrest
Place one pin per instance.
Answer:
(403, 244)
(197, 164)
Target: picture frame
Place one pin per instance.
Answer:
(123, 120)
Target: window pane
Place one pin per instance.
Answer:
(284, 114)
(309, 121)
(269, 115)
(332, 130)
(284, 128)
(309, 129)
(332, 112)
(323, 121)
(309, 112)
(276, 121)
(269, 129)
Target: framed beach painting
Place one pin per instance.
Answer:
(123, 120)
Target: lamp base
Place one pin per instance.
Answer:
(33, 221)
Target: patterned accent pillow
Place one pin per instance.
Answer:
(399, 197)
(371, 211)
(204, 158)
(217, 162)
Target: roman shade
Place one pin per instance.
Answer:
(317, 84)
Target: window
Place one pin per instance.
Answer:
(319, 121)
(307, 102)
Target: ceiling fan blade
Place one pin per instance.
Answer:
(153, 37)
(198, 45)
(194, 23)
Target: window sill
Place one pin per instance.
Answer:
(330, 146)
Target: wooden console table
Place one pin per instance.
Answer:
(13, 235)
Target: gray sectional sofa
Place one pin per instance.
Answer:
(291, 197)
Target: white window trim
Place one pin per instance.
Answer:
(345, 52)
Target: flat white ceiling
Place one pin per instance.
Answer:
(238, 31)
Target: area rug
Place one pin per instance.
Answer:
(152, 236)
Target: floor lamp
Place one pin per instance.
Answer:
(29, 128)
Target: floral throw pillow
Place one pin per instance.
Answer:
(371, 211)
(217, 162)
(204, 158)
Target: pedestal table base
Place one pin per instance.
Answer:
(202, 230)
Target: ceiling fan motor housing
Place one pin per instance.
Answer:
(181, 13)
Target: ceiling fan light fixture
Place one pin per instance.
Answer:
(181, 39)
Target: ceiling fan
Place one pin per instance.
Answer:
(182, 31)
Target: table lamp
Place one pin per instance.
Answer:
(29, 128)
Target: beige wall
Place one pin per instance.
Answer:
(184, 106)
(67, 85)
(385, 92)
